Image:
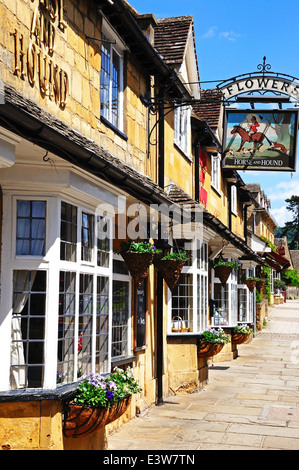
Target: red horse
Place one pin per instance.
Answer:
(257, 138)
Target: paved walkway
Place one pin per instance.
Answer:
(250, 403)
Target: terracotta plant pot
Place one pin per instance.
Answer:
(260, 285)
(239, 338)
(82, 420)
(250, 283)
(223, 273)
(170, 270)
(138, 264)
(206, 350)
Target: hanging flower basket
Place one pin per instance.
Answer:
(260, 285)
(170, 270)
(138, 257)
(118, 409)
(98, 401)
(223, 273)
(81, 420)
(250, 283)
(206, 350)
(241, 334)
(138, 265)
(239, 338)
(224, 268)
(211, 342)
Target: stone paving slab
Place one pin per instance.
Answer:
(250, 403)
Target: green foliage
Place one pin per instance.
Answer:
(279, 284)
(223, 262)
(101, 392)
(179, 256)
(291, 229)
(291, 277)
(215, 336)
(242, 328)
(136, 247)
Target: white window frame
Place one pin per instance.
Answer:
(215, 171)
(116, 45)
(198, 269)
(182, 129)
(234, 199)
(231, 289)
(52, 264)
(124, 278)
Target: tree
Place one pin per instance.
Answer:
(291, 229)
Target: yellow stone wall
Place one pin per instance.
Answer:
(79, 59)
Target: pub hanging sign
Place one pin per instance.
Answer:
(260, 139)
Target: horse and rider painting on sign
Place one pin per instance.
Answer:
(260, 140)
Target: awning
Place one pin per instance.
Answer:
(275, 261)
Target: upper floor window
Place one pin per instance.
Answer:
(215, 172)
(182, 128)
(234, 199)
(31, 231)
(111, 83)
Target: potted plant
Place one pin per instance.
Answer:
(241, 333)
(223, 269)
(138, 256)
(171, 266)
(211, 342)
(279, 285)
(98, 401)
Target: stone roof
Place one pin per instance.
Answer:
(22, 116)
(209, 108)
(171, 35)
(295, 258)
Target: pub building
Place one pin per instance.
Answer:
(101, 117)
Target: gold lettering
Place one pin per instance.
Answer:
(43, 68)
(64, 88)
(19, 54)
(62, 23)
(35, 25)
(31, 63)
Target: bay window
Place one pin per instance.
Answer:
(61, 292)
(188, 302)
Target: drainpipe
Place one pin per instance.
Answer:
(196, 168)
(159, 304)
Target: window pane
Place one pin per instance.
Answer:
(105, 77)
(103, 242)
(102, 328)
(87, 236)
(28, 329)
(85, 324)
(182, 304)
(66, 327)
(31, 228)
(68, 232)
(120, 317)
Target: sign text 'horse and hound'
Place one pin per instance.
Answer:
(260, 140)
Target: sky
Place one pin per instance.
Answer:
(232, 37)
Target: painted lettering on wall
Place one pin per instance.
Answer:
(35, 61)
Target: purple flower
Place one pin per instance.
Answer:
(109, 395)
